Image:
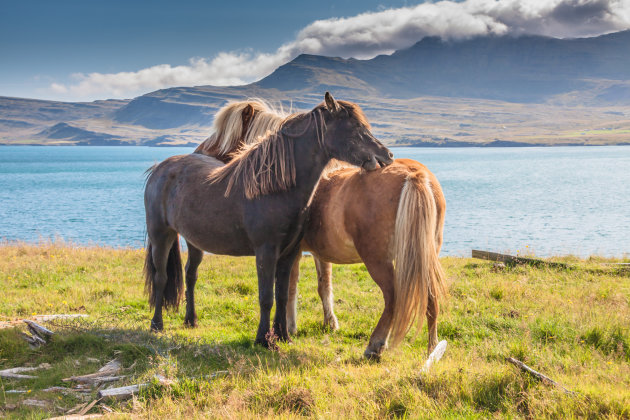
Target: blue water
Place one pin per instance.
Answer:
(547, 201)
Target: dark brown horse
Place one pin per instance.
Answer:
(255, 205)
(391, 219)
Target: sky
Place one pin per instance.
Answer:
(83, 50)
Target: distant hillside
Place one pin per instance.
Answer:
(482, 91)
(66, 133)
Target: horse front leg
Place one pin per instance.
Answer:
(292, 304)
(325, 290)
(195, 256)
(266, 261)
(285, 267)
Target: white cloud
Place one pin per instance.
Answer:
(367, 35)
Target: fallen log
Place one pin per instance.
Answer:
(33, 340)
(36, 403)
(125, 392)
(105, 374)
(39, 331)
(512, 260)
(15, 373)
(121, 393)
(543, 378)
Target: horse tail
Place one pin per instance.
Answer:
(417, 269)
(174, 288)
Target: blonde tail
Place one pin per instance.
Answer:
(417, 268)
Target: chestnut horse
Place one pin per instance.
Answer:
(391, 219)
(255, 205)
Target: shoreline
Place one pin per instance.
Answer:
(69, 246)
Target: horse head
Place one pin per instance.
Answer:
(348, 136)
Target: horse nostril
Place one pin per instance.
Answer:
(391, 155)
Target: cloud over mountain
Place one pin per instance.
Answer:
(366, 35)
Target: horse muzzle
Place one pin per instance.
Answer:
(376, 162)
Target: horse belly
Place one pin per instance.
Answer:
(337, 254)
(212, 225)
(325, 235)
(221, 244)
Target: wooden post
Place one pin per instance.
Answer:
(512, 260)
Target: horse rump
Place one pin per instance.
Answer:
(417, 269)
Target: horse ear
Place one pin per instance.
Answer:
(247, 114)
(331, 104)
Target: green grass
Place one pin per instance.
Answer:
(572, 325)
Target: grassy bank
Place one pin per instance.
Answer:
(572, 325)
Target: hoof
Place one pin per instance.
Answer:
(190, 323)
(292, 330)
(268, 344)
(263, 343)
(278, 333)
(372, 355)
(331, 323)
(157, 326)
(374, 351)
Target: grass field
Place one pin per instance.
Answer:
(571, 324)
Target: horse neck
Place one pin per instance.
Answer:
(310, 160)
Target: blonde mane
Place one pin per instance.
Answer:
(268, 165)
(265, 162)
(228, 134)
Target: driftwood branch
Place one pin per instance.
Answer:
(36, 329)
(33, 340)
(15, 373)
(36, 403)
(121, 393)
(512, 260)
(105, 374)
(435, 355)
(543, 378)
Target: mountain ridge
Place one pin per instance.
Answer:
(492, 72)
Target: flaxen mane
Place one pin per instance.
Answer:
(268, 165)
(228, 126)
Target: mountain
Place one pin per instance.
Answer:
(515, 69)
(493, 90)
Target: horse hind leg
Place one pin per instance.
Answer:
(162, 255)
(433, 309)
(325, 290)
(195, 255)
(383, 274)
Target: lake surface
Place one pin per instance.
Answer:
(549, 201)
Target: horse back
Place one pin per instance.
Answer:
(354, 211)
